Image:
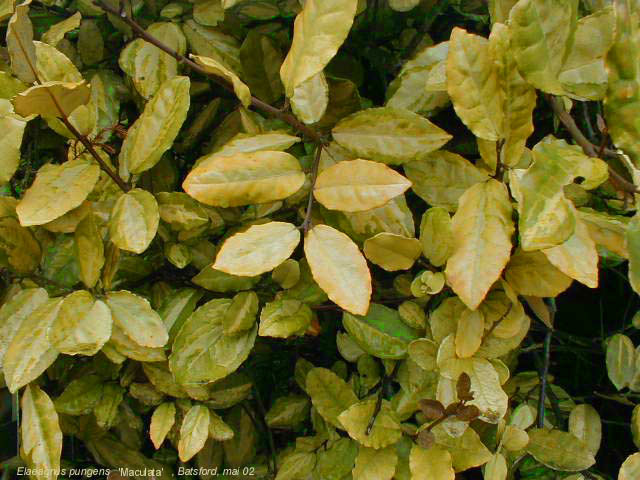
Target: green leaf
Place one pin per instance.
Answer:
(80, 396)
(244, 178)
(559, 450)
(137, 319)
(389, 135)
(208, 12)
(381, 332)
(82, 326)
(162, 420)
(319, 31)
(57, 31)
(336, 461)
(482, 229)
(288, 412)
(261, 60)
(40, 433)
(621, 359)
(241, 314)
(386, 428)
(633, 247)
(154, 131)
(258, 249)
(30, 353)
(134, 221)
(57, 190)
(296, 465)
(202, 352)
(212, 43)
(284, 318)
(330, 394)
(218, 281)
(372, 464)
(194, 432)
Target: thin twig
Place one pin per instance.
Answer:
(543, 378)
(499, 166)
(255, 102)
(587, 147)
(306, 224)
(385, 381)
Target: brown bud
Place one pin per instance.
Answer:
(468, 413)
(432, 409)
(425, 439)
(452, 408)
(463, 387)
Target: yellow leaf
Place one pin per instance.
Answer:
(435, 235)
(389, 135)
(469, 333)
(630, 468)
(22, 51)
(12, 127)
(136, 318)
(57, 31)
(531, 273)
(584, 423)
(258, 249)
(134, 221)
(51, 99)
(319, 31)
(244, 178)
(89, 250)
(193, 432)
(57, 190)
(215, 67)
(163, 418)
(559, 450)
(339, 268)
(482, 229)
(386, 429)
(430, 464)
(392, 252)
(633, 246)
(358, 185)
(496, 468)
(310, 99)
(472, 84)
(372, 464)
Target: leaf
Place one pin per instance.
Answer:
(193, 432)
(51, 99)
(585, 424)
(208, 12)
(40, 433)
(469, 333)
(156, 128)
(559, 450)
(337, 461)
(20, 45)
(137, 319)
(330, 394)
(57, 31)
(467, 451)
(386, 428)
(389, 135)
(261, 60)
(258, 249)
(436, 237)
(403, 5)
(381, 332)
(633, 247)
(29, 354)
(358, 185)
(630, 468)
(147, 65)
(620, 359)
(82, 326)
(246, 143)
(440, 178)
(472, 84)
(431, 464)
(244, 178)
(80, 396)
(531, 273)
(540, 35)
(90, 44)
(392, 252)
(496, 468)
(372, 464)
(201, 351)
(284, 318)
(577, 257)
(241, 314)
(319, 31)
(218, 281)
(107, 409)
(339, 268)
(212, 43)
(607, 231)
(215, 67)
(89, 250)
(13, 127)
(296, 465)
(310, 99)
(482, 229)
(134, 221)
(287, 412)
(162, 420)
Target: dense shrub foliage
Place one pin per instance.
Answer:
(319, 239)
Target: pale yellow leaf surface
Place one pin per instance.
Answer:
(585, 423)
(40, 433)
(134, 221)
(319, 31)
(372, 464)
(633, 247)
(472, 84)
(496, 468)
(435, 235)
(22, 51)
(389, 135)
(12, 127)
(51, 99)
(630, 468)
(481, 229)
(56, 190)
(258, 249)
(469, 333)
(386, 429)
(430, 464)
(136, 318)
(163, 418)
(392, 252)
(57, 31)
(89, 250)
(559, 450)
(339, 268)
(244, 178)
(531, 273)
(358, 185)
(217, 68)
(310, 99)
(194, 432)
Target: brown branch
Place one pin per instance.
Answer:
(587, 147)
(255, 102)
(306, 224)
